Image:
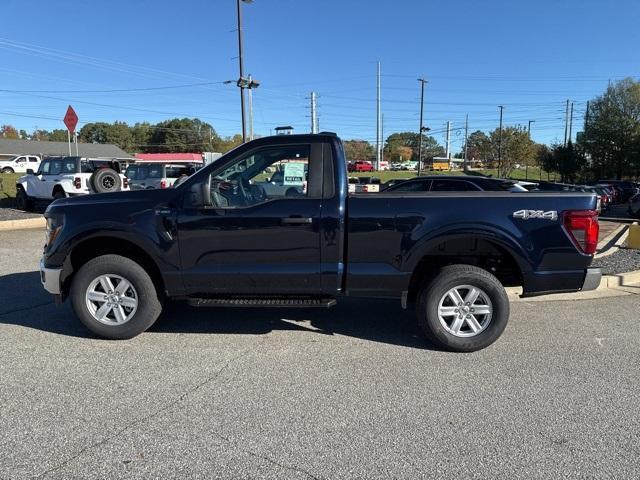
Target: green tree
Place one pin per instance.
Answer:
(567, 160)
(479, 146)
(223, 145)
(516, 148)
(182, 135)
(611, 138)
(430, 146)
(40, 135)
(58, 135)
(140, 137)
(117, 133)
(358, 150)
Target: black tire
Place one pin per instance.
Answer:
(7, 170)
(59, 193)
(149, 305)
(451, 277)
(105, 180)
(24, 201)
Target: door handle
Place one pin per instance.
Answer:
(297, 221)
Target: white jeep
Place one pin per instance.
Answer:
(59, 177)
(20, 164)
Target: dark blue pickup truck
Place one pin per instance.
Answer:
(220, 239)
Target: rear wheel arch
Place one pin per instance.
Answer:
(488, 254)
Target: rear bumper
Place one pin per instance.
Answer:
(50, 278)
(544, 283)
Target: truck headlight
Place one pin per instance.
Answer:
(54, 225)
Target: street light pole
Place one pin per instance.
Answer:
(526, 167)
(501, 107)
(241, 80)
(422, 82)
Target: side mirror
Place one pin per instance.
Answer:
(30, 171)
(200, 194)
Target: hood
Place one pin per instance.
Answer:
(126, 198)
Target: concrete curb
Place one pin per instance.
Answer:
(616, 246)
(23, 224)
(610, 286)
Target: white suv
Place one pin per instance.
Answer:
(20, 164)
(60, 177)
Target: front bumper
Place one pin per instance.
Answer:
(50, 278)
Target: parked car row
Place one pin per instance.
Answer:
(69, 176)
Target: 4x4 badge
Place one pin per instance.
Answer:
(529, 214)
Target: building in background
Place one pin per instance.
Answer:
(13, 148)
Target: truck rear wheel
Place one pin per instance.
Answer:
(464, 309)
(114, 297)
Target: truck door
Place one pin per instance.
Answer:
(249, 239)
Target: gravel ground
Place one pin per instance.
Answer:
(7, 213)
(624, 260)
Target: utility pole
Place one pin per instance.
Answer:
(566, 123)
(378, 118)
(501, 107)
(448, 139)
(422, 82)
(586, 117)
(382, 137)
(314, 124)
(242, 82)
(466, 139)
(526, 167)
(571, 122)
(250, 108)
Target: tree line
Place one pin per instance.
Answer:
(608, 146)
(174, 135)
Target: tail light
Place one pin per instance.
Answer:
(77, 182)
(125, 182)
(163, 183)
(583, 228)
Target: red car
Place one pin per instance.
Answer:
(360, 166)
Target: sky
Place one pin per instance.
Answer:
(143, 60)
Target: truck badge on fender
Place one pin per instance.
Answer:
(528, 214)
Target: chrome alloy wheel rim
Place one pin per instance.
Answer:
(111, 299)
(465, 311)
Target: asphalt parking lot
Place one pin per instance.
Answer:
(352, 392)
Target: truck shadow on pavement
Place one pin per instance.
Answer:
(23, 302)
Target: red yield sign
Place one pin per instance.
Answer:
(71, 119)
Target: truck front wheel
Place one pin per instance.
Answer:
(114, 297)
(464, 308)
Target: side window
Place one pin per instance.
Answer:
(20, 160)
(56, 167)
(417, 186)
(449, 186)
(154, 171)
(44, 168)
(34, 159)
(69, 166)
(263, 175)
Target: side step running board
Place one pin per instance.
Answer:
(262, 302)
